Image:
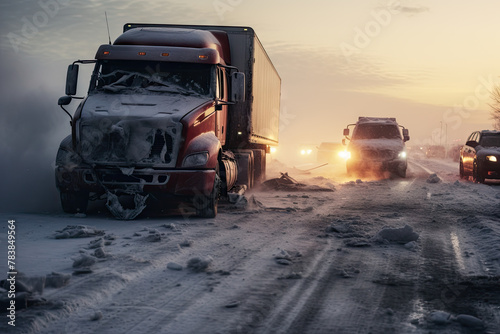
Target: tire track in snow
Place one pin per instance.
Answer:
(427, 170)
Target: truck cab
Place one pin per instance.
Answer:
(158, 120)
(377, 144)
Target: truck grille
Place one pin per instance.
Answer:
(116, 177)
(378, 154)
(129, 144)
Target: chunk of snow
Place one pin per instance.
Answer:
(97, 316)
(186, 243)
(97, 243)
(57, 280)
(412, 246)
(470, 321)
(339, 228)
(174, 266)
(439, 317)
(100, 253)
(433, 178)
(84, 261)
(78, 231)
(284, 262)
(154, 237)
(402, 235)
(283, 255)
(199, 264)
(233, 304)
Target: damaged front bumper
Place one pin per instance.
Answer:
(377, 165)
(177, 182)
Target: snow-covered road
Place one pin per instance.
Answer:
(395, 255)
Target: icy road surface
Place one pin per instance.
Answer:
(414, 255)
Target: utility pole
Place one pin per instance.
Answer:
(441, 132)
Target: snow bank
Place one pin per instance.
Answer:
(442, 318)
(78, 231)
(29, 289)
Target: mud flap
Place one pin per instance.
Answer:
(114, 206)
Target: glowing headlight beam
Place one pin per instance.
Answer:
(345, 154)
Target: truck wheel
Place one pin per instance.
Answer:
(245, 168)
(74, 202)
(477, 175)
(206, 206)
(402, 172)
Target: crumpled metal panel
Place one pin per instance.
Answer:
(130, 141)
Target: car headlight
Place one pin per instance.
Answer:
(491, 158)
(306, 152)
(402, 155)
(345, 154)
(195, 159)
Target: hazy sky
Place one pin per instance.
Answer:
(430, 64)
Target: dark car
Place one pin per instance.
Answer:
(480, 156)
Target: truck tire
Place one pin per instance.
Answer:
(245, 168)
(206, 206)
(259, 157)
(402, 172)
(74, 202)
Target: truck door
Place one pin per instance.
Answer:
(221, 115)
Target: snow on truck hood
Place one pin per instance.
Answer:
(135, 105)
(134, 130)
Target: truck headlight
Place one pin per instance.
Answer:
(345, 154)
(402, 155)
(491, 158)
(195, 159)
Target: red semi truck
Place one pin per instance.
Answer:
(172, 112)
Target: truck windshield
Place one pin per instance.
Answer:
(376, 131)
(152, 77)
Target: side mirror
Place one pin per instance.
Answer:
(72, 79)
(238, 87)
(64, 101)
(406, 135)
(472, 143)
(346, 132)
